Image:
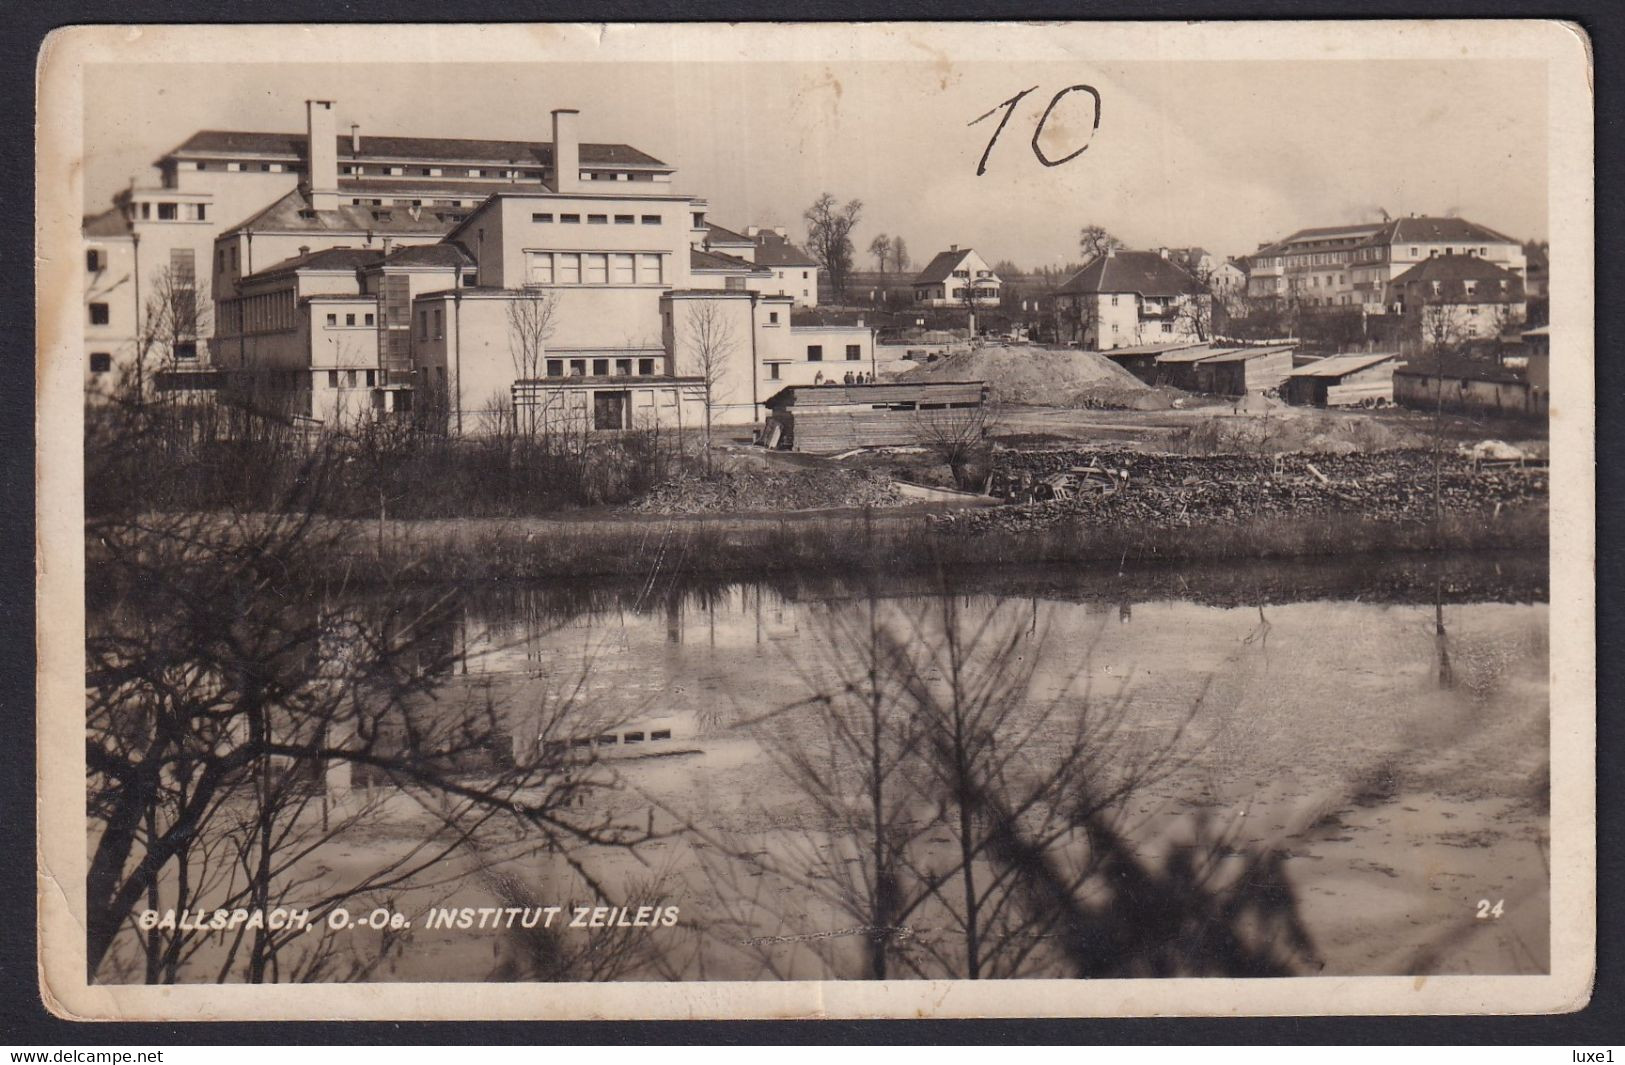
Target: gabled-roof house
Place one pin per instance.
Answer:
(1125, 298)
(1454, 298)
(958, 277)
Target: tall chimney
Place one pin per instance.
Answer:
(355, 139)
(566, 151)
(322, 155)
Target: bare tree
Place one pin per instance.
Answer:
(711, 335)
(899, 254)
(173, 324)
(1193, 310)
(531, 323)
(977, 829)
(829, 235)
(225, 709)
(881, 249)
(1094, 241)
(960, 438)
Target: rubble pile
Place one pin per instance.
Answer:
(740, 490)
(1177, 491)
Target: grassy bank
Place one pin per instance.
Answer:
(885, 542)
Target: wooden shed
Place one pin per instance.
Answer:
(1340, 380)
(1177, 367)
(1141, 359)
(838, 417)
(1243, 371)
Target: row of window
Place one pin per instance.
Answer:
(242, 167)
(352, 378)
(594, 268)
(815, 352)
(349, 320)
(366, 201)
(170, 212)
(264, 312)
(606, 367)
(546, 217)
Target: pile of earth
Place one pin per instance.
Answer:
(1044, 377)
(740, 490)
(1181, 491)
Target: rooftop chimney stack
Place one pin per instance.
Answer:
(953, 247)
(751, 231)
(322, 155)
(566, 151)
(355, 139)
(781, 233)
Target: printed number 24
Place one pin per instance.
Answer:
(1486, 911)
(1038, 130)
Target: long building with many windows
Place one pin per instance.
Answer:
(1351, 266)
(403, 276)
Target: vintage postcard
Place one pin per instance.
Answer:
(822, 520)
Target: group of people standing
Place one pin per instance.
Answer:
(851, 378)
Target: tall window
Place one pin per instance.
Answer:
(597, 268)
(649, 269)
(100, 362)
(624, 268)
(98, 314)
(568, 266)
(854, 352)
(541, 268)
(815, 353)
(93, 259)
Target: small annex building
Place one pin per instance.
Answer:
(1243, 371)
(827, 418)
(1342, 380)
(1141, 359)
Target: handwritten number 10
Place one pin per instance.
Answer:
(1038, 130)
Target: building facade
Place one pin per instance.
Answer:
(1127, 298)
(1350, 267)
(1453, 299)
(958, 277)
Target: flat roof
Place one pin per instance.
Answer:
(1243, 354)
(1153, 349)
(1195, 354)
(872, 388)
(1340, 365)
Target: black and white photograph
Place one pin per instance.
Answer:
(842, 520)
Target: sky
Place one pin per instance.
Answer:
(1222, 154)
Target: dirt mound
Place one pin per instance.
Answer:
(738, 490)
(1038, 376)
